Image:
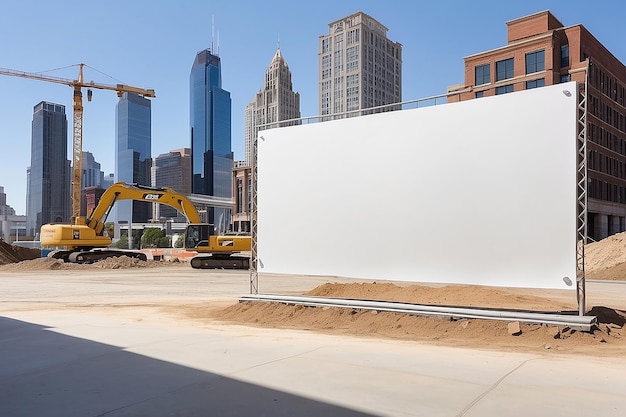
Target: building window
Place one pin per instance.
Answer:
(535, 62)
(505, 89)
(565, 78)
(564, 56)
(325, 45)
(535, 83)
(480, 94)
(504, 69)
(483, 74)
(239, 195)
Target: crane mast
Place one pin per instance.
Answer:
(77, 125)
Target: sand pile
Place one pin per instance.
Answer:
(606, 252)
(464, 332)
(50, 264)
(11, 253)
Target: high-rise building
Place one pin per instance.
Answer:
(275, 102)
(92, 174)
(49, 175)
(133, 159)
(359, 67)
(210, 129)
(172, 169)
(540, 51)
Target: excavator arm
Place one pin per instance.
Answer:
(122, 191)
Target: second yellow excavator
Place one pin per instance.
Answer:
(88, 240)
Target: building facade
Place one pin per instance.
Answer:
(275, 102)
(48, 197)
(541, 51)
(108, 180)
(359, 67)
(210, 130)
(133, 159)
(173, 170)
(242, 198)
(92, 175)
(12, 227)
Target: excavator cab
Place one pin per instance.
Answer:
(197, 235)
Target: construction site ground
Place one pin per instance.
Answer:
(189, 329)
(605, 261)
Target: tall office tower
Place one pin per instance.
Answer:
(92, 175)
(172, 169)
(210, 128)
(359, 67)
(540, 51)
(275, 102)
(49, 175)
(133, 158)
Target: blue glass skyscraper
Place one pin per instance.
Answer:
(133, 121)
(210, 119)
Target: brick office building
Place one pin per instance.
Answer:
(541, 51)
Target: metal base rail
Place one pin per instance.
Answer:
(576, 322)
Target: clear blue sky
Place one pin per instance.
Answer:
(152, 44)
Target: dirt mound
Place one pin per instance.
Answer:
(43, 264)
(12, 253)
(39, 264)
(125, 262)
(605, 253)
(611, 273)
(450, 295)
(607, 339)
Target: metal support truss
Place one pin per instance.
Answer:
(582, 182)
(254, 274)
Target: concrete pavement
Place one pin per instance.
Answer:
(76, 344)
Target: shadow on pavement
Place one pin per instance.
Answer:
(43, 373)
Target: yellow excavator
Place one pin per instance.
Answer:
(88, 240)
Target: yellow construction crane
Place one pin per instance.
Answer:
(77, 142)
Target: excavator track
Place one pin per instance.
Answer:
(95, 255)
(220, 262)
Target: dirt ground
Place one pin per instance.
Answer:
(11, 253)
(605, 260)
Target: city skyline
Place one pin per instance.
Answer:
(435, 38)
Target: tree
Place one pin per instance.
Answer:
(122, 243)
(165, 242)
(152, 238)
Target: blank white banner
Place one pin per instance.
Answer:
(478, 192)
